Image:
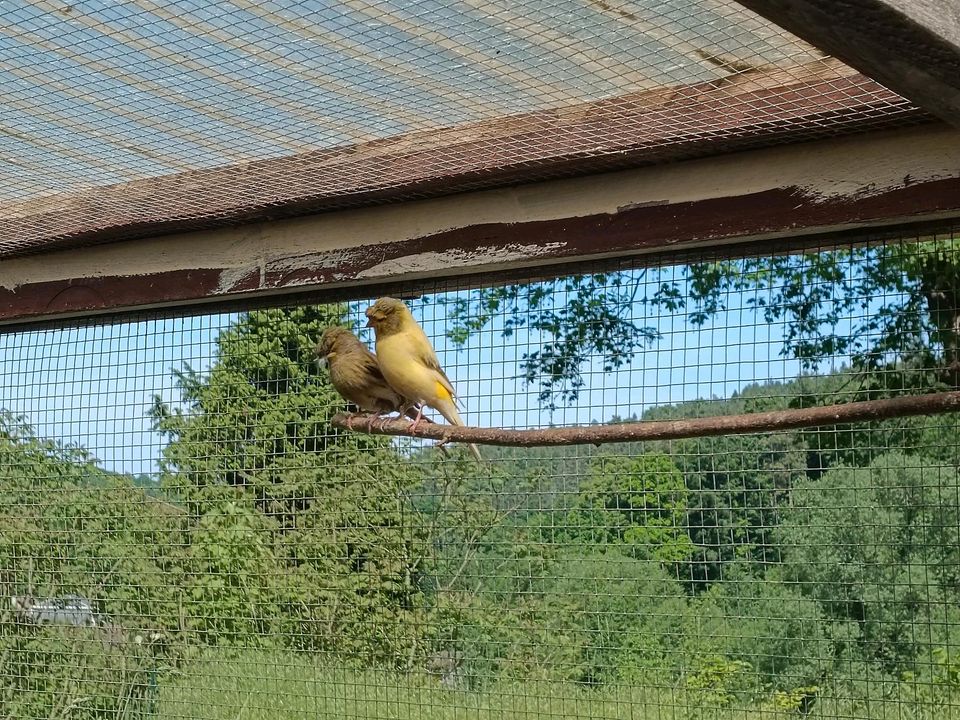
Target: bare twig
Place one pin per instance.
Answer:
(945, 402)
(471, 545)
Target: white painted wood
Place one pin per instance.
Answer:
(824, 171)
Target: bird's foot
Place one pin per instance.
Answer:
(416, 420)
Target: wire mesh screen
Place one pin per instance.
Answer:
(260, 109)
(184, 534)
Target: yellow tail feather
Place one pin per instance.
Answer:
(446, 408)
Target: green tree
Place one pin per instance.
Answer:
(576, 317)
(230, 594)
(878, 549)
(68, 527)
(858, 445)
(866, 302)
(736, 483)
(576, 624)
(331, 548)
(763, 629)
(641, 503)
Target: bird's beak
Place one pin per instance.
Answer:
(369, 322)
(322, 362)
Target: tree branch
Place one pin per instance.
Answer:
(945, 402)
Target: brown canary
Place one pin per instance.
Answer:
(356, 375)
(408, 361)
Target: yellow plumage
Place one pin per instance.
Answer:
(408, 361)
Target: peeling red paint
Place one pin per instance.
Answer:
(650, 227)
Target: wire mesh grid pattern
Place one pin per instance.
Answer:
(112, 109)
(184, 535)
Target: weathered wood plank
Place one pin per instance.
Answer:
(910, 46)
(843, 188)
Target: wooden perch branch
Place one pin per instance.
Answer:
(945, 402)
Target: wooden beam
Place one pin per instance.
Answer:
(749, 109)
(910, 46)
(845, 188)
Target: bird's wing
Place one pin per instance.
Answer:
(424, 352)
(371, 368)
(365, 383)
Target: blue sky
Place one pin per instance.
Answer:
(93, 385)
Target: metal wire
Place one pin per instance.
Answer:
(263, 109)
(183, 535)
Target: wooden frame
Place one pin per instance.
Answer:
(893, 182)
(753, 108)
(911, 46)
(247, 232)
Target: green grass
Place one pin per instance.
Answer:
(271, 686)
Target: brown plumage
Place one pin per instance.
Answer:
(408, 361)
(355, 373)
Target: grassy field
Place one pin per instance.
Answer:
(268, 686)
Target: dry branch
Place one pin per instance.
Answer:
(667, 430)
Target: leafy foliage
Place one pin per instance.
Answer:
(877, 548)
(63, 672)
(68, 527)
(575, 624)
(639, 502)
(582, 315)
(736, 484)
(289, 519)
(873, 304)
(107, 533)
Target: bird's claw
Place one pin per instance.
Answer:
(416, 420)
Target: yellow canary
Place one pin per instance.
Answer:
(408, 361)
(355, 373)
